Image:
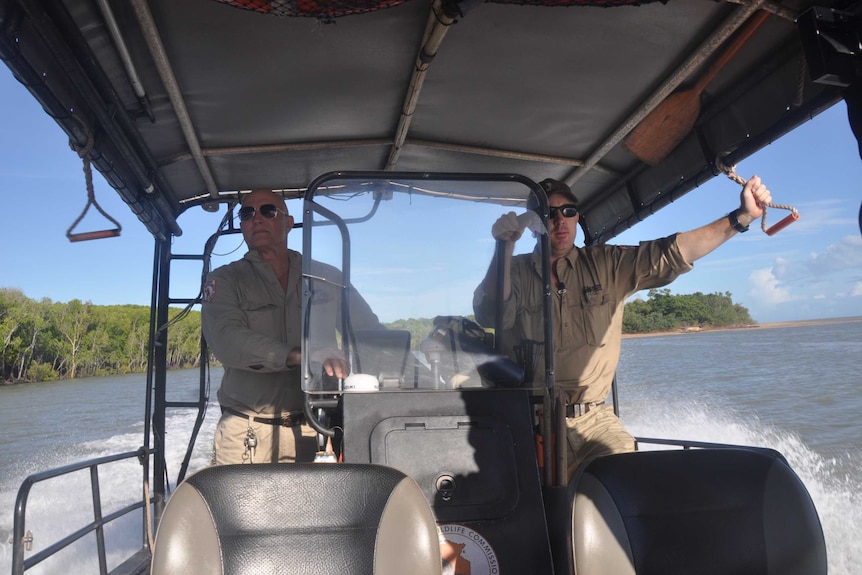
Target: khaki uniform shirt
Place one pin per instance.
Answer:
(587, 314)
(250, 323)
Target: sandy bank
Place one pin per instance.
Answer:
(752, 326)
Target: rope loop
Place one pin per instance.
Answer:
(84, 153)
(730, 172)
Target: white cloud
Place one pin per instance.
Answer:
(842, 257)
(767, 288)
(846, 254)
(783, 268)
(826, 276)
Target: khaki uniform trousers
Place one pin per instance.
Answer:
(598, 432)
(275, 443)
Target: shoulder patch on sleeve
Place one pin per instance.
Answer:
(209, 290)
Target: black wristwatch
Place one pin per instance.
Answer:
(734, 221)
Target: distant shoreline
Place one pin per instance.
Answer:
(801, 323)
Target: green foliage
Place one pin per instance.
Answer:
(45, 340)
(42, 372)
(418, 328)
(662, 311)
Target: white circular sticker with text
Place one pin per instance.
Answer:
(466, 552)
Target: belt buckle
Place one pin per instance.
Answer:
(290, 420)
(579, 409)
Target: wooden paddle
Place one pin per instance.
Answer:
(665, 127)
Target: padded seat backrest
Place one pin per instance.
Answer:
(703, 511)
(349, 519)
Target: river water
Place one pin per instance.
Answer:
(795, 389)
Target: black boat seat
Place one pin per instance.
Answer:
(297, 518)
(704, 511)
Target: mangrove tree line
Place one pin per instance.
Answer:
(46, 340)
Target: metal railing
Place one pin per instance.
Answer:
(22, 539)
(690, 444)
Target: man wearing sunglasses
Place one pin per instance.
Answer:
(590, 286)
(251, 316)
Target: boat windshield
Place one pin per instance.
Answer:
(391, 263)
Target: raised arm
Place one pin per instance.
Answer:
(697, 243)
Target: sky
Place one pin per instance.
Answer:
(810, 270)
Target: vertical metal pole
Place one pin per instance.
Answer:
(562, 443)
(148, 395)
(97, 515)
(500, 259)
(159, 348)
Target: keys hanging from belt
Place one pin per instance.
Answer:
(250, 443)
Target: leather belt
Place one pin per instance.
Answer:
(290, 420)
(578, 409)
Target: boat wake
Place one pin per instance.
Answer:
(58, 507)
(833, 481)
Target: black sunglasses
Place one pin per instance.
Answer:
(568, 211)
(269, 211)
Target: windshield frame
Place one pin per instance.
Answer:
(316, 215)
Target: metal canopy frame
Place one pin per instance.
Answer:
(183, 112)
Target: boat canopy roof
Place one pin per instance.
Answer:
(184, 103)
